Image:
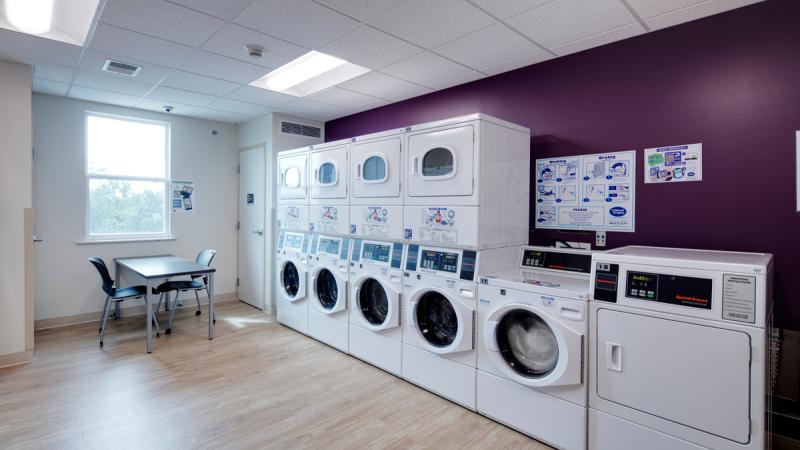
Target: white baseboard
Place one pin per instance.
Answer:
(16, 359)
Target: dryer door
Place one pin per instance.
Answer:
(377, 304)
(292, 176)
(444, 323)
(376, 168)
(440, 162)
(292, 281)
(330, 290)
(533, 348)
(329, 173)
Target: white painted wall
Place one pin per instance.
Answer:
(65, 283)
(15, 197)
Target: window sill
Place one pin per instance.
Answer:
(120, 241)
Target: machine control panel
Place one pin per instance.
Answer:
(673, 289)
(606, 282)
(444, 262)
(555, 260)
(378, 253)
(439, 261)
(294, 241)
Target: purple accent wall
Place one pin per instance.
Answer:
(730, 81)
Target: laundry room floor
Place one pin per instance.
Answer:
(257, 385)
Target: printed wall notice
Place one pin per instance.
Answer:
(588, 192)
(183, 197)
(673, 164)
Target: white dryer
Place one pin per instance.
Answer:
(532, 329)
(678, 349)
(375, 291)
(293, 193)
(291, 265)
(467, 183)
(440, 295)
(328, 200)
(327, 281)
(376, 197)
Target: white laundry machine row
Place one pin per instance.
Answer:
(293, 189)
(532, 329)
(467, 183)
(328, 289)
(376, 285)
(328, 210)
(439, 304)
(678, 349)
(292, 278)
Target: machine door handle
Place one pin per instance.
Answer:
(259, 231)
(614, 356)
(36, 239)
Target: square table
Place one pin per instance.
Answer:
(152, 271)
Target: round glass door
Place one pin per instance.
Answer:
(326, 288)
(527, 344)
(291, 178)
(437, 162)
(290, 279)
(374, 169)
(327, 174)
(436, 319)
(373, 302)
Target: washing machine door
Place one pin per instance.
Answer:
(329, 290)
(531, 347)
(292, 280)
(441, 162)
(443, 322)
(292, 176)
(329, 172)
(377, 305)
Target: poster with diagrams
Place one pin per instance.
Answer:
(674, 164)
(587, 192)
(183, 196)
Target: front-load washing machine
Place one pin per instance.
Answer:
(678, 353)
(440, 299)
(467, 183)
(293, 192)
(375, 289)
(327, 281)
(328, 211)
(291, 266)
(376, 197)
(532, 329)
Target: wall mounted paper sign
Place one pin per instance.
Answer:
(251, 199)
(183, 196)
(587, 192)
(674, 164)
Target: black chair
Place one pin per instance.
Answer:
(115, 295)
(203, 258)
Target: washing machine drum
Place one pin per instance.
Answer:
(373, 302)
(290, 279)
(437, 319)
(527, 344)
(327, 289)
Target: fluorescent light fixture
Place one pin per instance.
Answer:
(66, 21)
(30, 16)
(308, 74)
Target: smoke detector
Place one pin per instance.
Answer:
(254, 51)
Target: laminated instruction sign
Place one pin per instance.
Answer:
(673, 164)
(182, 198)
(587, 192)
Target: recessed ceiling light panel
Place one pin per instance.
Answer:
(30, 16)
(61, 20)
(308, 74)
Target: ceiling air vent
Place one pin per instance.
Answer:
(301, 130)
(121, 68)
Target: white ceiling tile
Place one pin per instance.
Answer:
(517, 63)
(362, 10)
(565, 21)
(209, 64)
(308, 109)
(262, 97)
(52, 72)
(461, 79)
(488, 47)
(380, 85)
(151, 73)
(302, 22)
(426, 69)
(161, 19)
(649, 8)
(370, 48)
(200, 83)
(179, 96)
(237, 107)
(100, 96)
(342, 98)
(232, 39)
(220, 116)
(21, 47)
(178, 109)
(111, 82)
(43, 86)
(432, 23)
(695, 12)
(410, 92)
(597, 40)
(503, 9)
(116, 41)
(377, 103)
(225, 9)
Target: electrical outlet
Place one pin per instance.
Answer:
(600, 238)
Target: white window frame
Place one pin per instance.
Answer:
(167, 233)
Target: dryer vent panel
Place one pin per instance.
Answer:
(121, 68)
(299, 129)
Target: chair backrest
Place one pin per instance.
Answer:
(205, 257)
(108, 283)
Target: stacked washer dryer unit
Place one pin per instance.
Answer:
(330, 248)
(466, 207)
(376, 225)
(292, 239)
(678, 349)
(532, 330)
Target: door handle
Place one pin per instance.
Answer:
(259, 231)
(614, 356)
(415, 170)
(358, 171)
(36, 239)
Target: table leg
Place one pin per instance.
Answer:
(211, 318)
(149, 317)
(117, 280)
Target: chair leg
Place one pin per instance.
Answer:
(172, 313)
(197, 297)
(103, 314)
(154, 318)
(105, 321)
(160, 297)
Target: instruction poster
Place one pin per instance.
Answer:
(673, 164)
(183, 196)
(587, 192)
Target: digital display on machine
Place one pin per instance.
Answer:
(377, 252)
(442, 261)
(672, 289)
(568, 262)
(329, 246)
(294, 240)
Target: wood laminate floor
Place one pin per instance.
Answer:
(257, 385)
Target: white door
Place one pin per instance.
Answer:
(292, 176)
(376, 168)
(329, 172)
(440, 162)
(252, 229)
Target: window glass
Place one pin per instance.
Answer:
(126, 207)
(291, 178)
(327, 174)
(126, 147)
(437, 162)
(374, 169)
